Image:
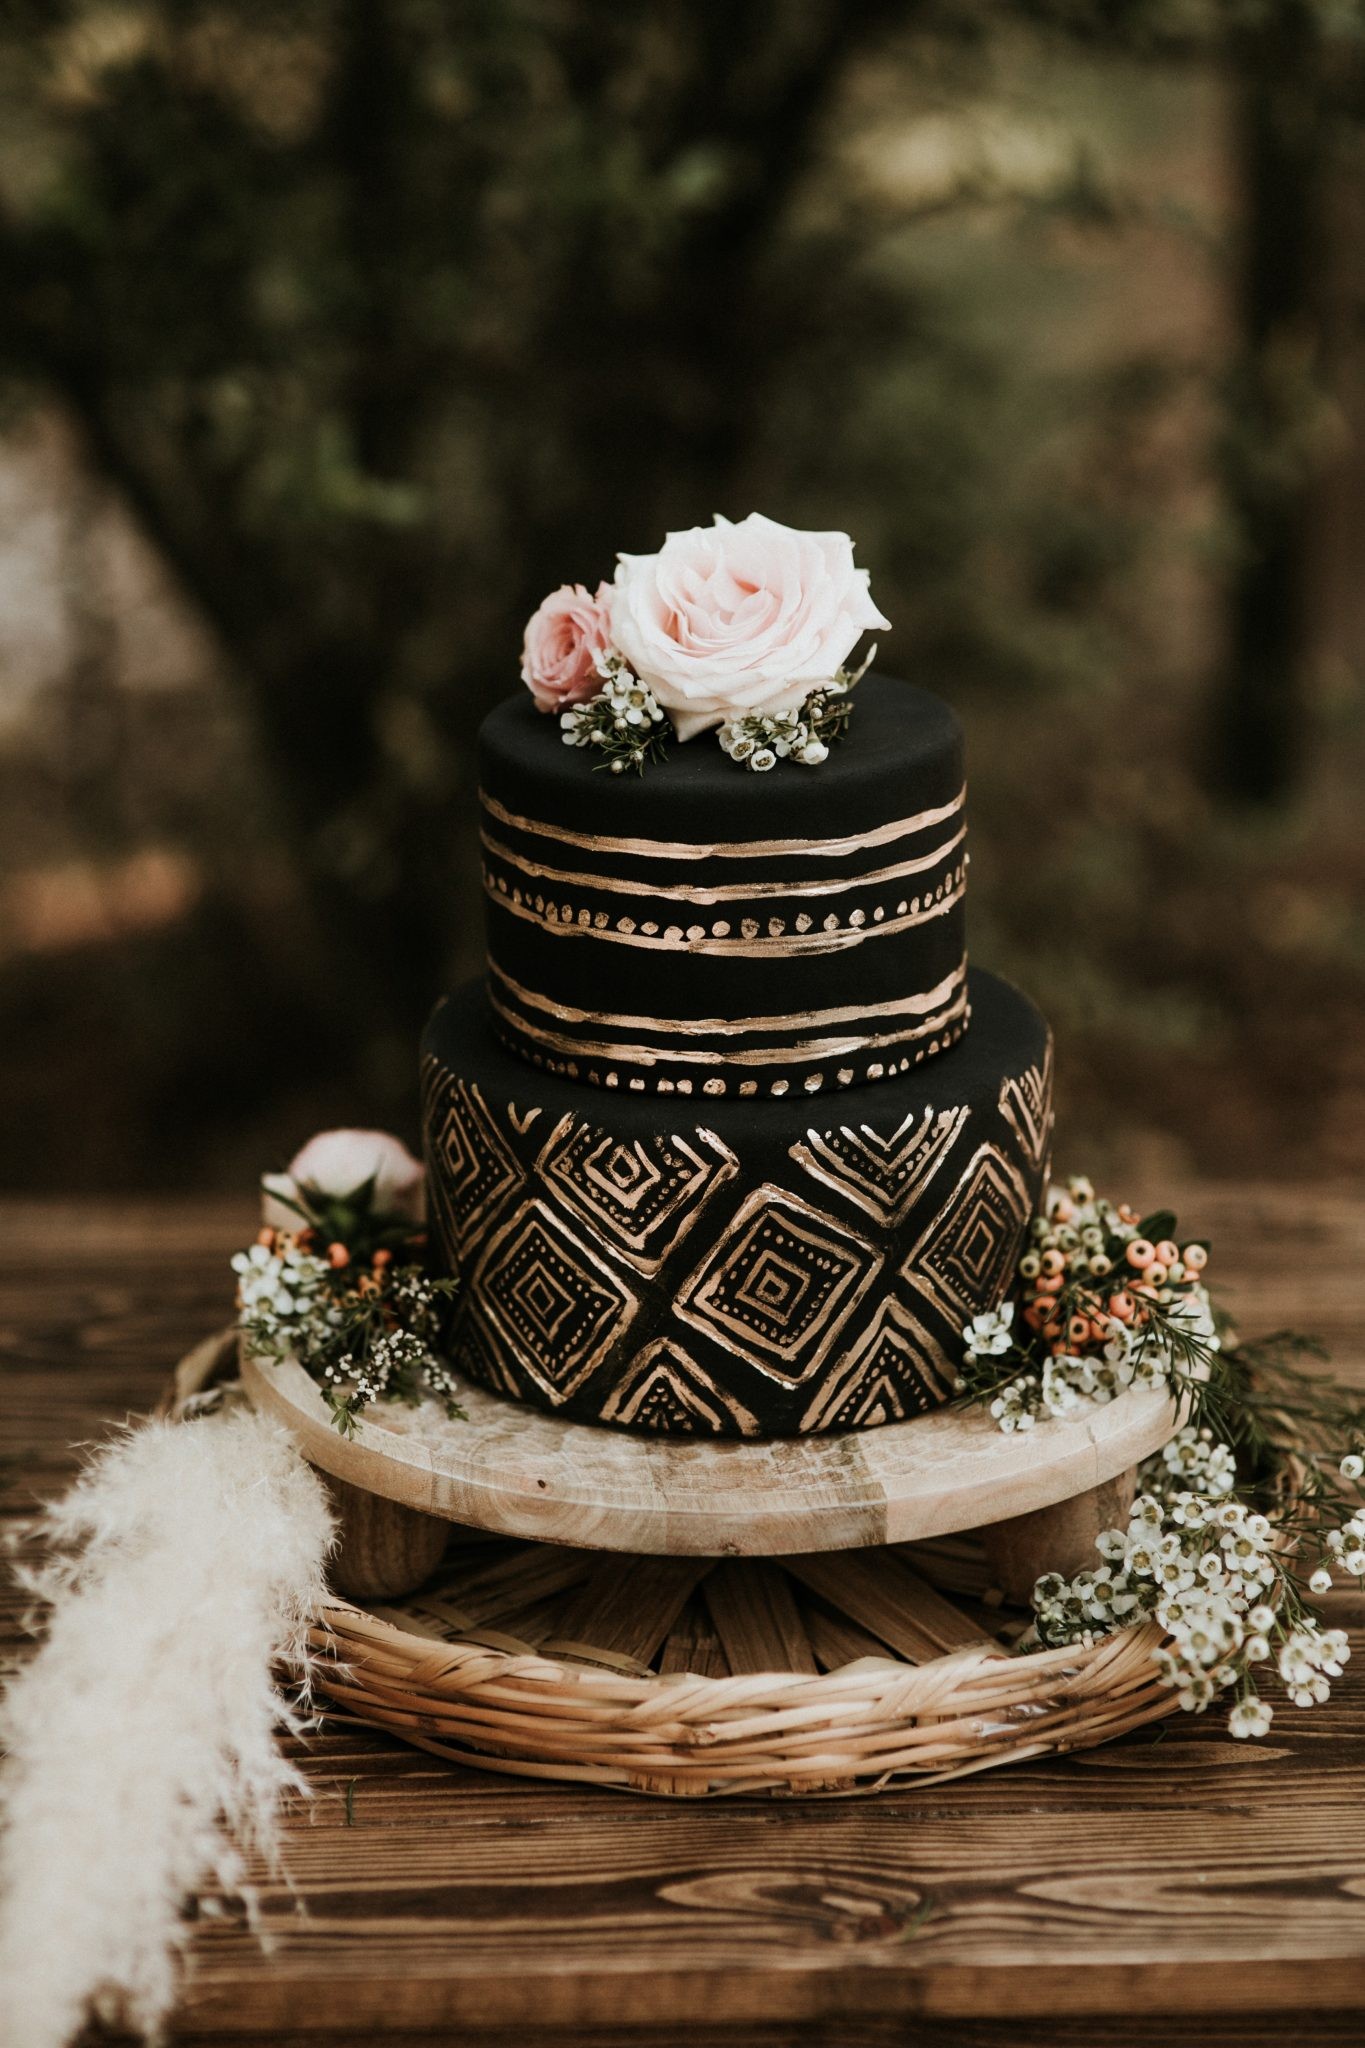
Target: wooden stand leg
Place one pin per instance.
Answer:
(1056, 1539)
(385, 1549)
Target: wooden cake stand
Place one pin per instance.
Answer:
(693, 1619)
(1038, 1497)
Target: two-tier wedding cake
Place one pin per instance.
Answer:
(729, 1140)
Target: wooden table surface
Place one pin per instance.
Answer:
(1175, 1887)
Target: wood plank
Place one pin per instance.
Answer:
(878, 1590)
(751, 1603)
(627, 1605)
(834, 1639)
(692, 1643)
(525, 1575)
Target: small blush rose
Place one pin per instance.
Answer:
(563, 640)
(729, 619)
(337, 1163)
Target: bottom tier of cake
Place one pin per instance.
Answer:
(728, 1267)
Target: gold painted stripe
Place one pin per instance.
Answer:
(791, 945)
(764, 1056)
(903, 1006)
(719, 849)
(723, 892)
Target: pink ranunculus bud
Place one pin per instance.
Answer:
(731, 619)
(563, 640)
(338, 1162)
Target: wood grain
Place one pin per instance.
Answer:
(1184, 1890)
(537, 1476)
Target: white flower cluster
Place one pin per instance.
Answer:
(1347, 1545)
(759, 740)
(1204, 1569)
(1192, 1462)
(283, 1290)
(1128, 1358)
(394, 1363)
(369, 1341)
(763, 739)
(1310, 1657)
(623, 718)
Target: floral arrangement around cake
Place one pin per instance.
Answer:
(744, 628)
(1248, 1513)
(1244, 1516)
(338, 1276)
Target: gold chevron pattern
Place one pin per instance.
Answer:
(1025, 1103)
(665, 1389)
(884, 1177)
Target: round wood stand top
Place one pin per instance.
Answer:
(527, 1474)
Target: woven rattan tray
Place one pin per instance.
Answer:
(685, 1676)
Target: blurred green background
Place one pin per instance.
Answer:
(333, 335)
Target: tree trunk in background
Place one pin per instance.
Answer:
(1269, 479)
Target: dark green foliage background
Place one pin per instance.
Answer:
(382, 317)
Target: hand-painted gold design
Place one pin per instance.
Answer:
(482, 1356)
(883, 1177)
(965, 1257)
(896, 1368)
(653, 1280)
(558, 1305)
(699, 1055)
(780, 1284)
(914, 1005)
(643, 1195)
(667, 1084)
(472, 1168)
(1026, 1106)
(719, 892)
(564, 921)
(720, 849)
(664, 1388)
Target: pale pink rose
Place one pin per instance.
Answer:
(337, 1163)
(728, 619)
(563, 640)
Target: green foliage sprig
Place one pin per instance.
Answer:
(624, 722)
(348, 1295)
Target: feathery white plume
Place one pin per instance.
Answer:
(141, 1735)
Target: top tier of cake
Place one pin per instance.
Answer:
(705, 930)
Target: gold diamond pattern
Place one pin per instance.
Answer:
(558, 1305)
(780, 1284)
(965, 1257)
(589, 1286)
(472, 1169)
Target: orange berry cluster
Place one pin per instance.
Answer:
(337, 1255)
(1088, 1276)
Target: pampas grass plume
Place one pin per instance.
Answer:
(142, 1735)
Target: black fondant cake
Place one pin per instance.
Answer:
(664, 1209)
(732, 1267)
(703, 931)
